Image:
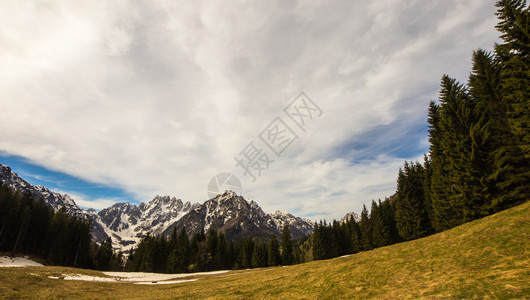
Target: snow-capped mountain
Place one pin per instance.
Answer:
(127, 223)
(298, 226)
(55, 200)
(349, 215)
(237, 218)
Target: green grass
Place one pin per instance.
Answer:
(484, 259)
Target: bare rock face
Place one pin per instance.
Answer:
(239, 218)
(127, 223)
(54, 200)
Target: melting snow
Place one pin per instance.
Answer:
(137, 277)
(6, 261)
(167, 282)
(141, 276)
(85, 278)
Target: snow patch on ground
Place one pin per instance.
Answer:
(137, 277)
(140, 276)
(166, 282)
(86, 278)
(7, 261)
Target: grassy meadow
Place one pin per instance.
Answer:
(487, 258)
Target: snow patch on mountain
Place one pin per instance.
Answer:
(238, 217)
(349, 215)
(53, 199)
(126, 224)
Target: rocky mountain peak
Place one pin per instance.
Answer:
(53, 199)
(349, 215)
(127, 223)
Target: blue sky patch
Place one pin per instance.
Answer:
(58, 181)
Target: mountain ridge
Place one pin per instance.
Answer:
(239, 217)
(126, 223)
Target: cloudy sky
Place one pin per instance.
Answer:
(115, 101)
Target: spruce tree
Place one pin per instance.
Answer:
(390, 233)
(273, 252)
(514, 26)
(426, 178)
(376, 220)
(104, 255)
(499, 163)
(211, 249)
(287, 246)
(259, 256)
(221, 261)
(318, 250)
(178, 259)
(412, 219)
(335, 244)
(355, 235)
(246, 252)
(451, 187)
(230, 254)
(366, 230)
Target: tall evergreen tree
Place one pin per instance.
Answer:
(451, 187)
(514, 26)
(178, 259)
(390, 232)
(259, 255)
(211, 248)
(355, 235)
(104, 255)
(273, 252)
(287, 246)
(230, 254)
(426, 178)
(335, 243)
(498, 163)
(221, 261)
(366, 230)
(412, 220)
(58, 236)
(377, 230)
(318, 248)
(247, 248)
(23, 225)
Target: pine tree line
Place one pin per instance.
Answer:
(29, 226)
(374, 229)
(209, 251)
(478, 160)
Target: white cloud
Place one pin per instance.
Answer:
(82, 200)
(158, 97)
(95, 204)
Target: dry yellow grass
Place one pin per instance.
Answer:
(485, 259)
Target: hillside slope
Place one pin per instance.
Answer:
(487, 258)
